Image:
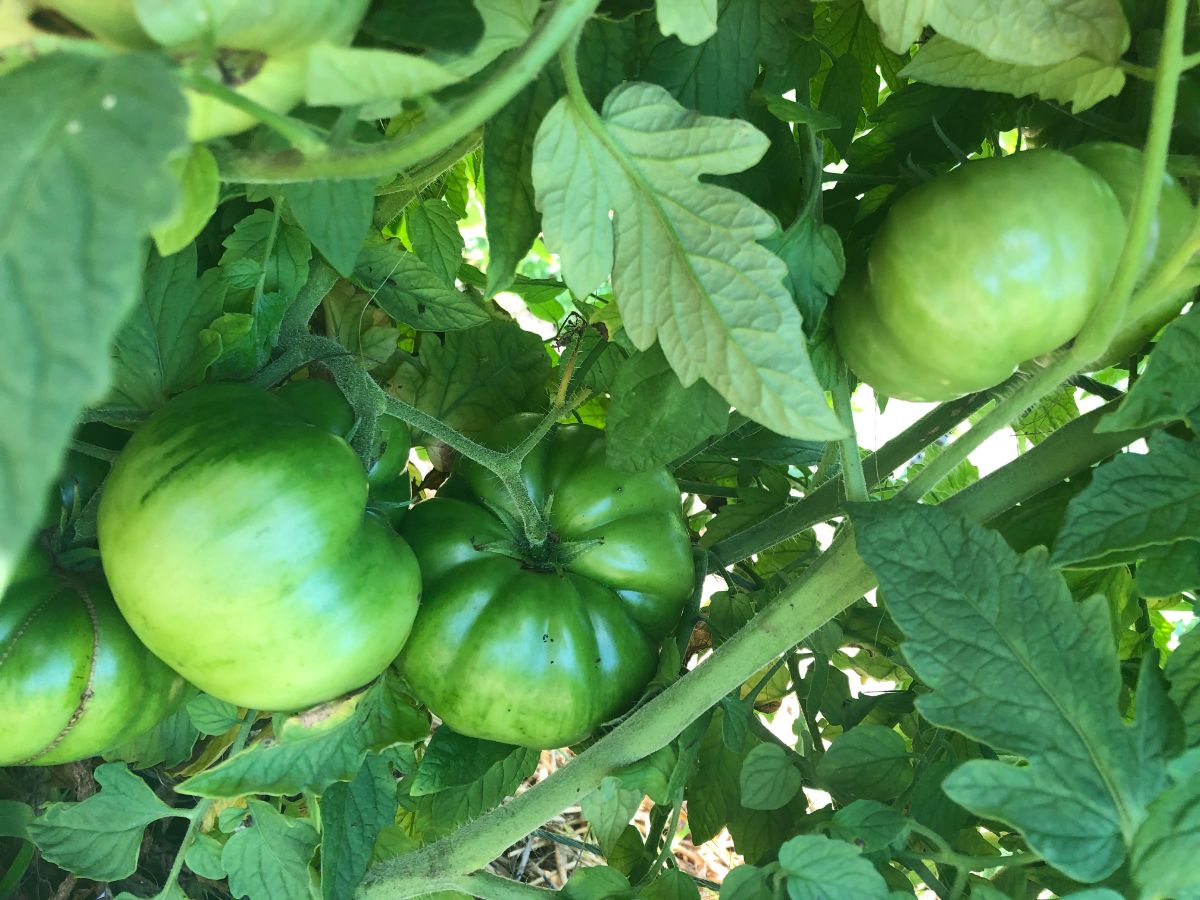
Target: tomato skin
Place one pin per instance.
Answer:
(74, 680)
(507, 653)
(1121, 166)
(977, 271)
(236, 542)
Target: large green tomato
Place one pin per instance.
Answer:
(539, 651)
(1121, 166)
(236, 542)
(977, 271)
(74, 681)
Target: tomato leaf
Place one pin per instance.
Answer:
(608, 810)
(353, 814)
(1183, 671)
(212, 716)
(335, 216)
(597, 883)
(268, 859)
(315, 748)
(168, 743)
(204, 857)
(1135, 501)
(200, 186)
(690, 21)
(1048, 694)
(101, 837)
(434, 236)
(409, 291)
(1169, 391)
(1165, 848)
(1081, 81)
(868, 761)
(653, 418)
(818, 868)
(768, 779)
(869, 824)
(743, 335)
(84, 170)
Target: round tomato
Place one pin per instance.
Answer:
(235, 538)
(276, 82)
(74, 681)
(977, 271)
(1121, 166)
(538, 649)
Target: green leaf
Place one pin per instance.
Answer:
(1183, 671)
(358, 325)
(200, 185)
(1047, 693)
(352, 816)
(869, 825)
(314, 748)
(815, 263)
(818, 868)
(768, 779)
(168, 743)
(869, 761)
(841, 99)
(672, 884)
(411, 292)
(165, 345)
(642, 162)
(101, 837)
(351, 76)
(478, 377)
(433, 232)
(14, 818)
(746, 882)
(1168, 390)
(1166, 571)
(1049, 414)
(690, 21)
(84, 174)
(597, 883)
(212, 716)
(248, 23)
(608, 810)
(335, 216)
(453, 760)
(204, 857)
(1163, 858)
(264, 254)
(453, 26)
(1031, 32)
(1080, 81)
(653, 418)
(1133, 502)
(269, 858)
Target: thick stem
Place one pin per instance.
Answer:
(411, 149)
(852, 470)
(833, 583)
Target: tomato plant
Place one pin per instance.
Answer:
(545, 643)
(618, 448)
(229, 512)
(74, 681)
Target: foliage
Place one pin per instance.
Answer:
(918, 671)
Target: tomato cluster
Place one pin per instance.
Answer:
(998, 262)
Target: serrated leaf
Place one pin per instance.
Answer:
(408, 290)
(1183, 671)
(269, 858)
(1080, 81)
(671, 243)
(84, 174)
(1163, 858)
(101, 837)
(168, 743)
(1030, 32)
(818, 868)
(212, 716)
(1048, 693)
(1166, 571)
(608, 810)
(1169, 390)
(358, 325)
(335, 216)
(352, 816)
(266, 256)
(868, 761)
(815, 263)
(315, 748)
(162, 348)
(768, 778)
(653, 418)
(454, 760)
(1136, 501)
(691, 21)
(200, 185)
(433, 232)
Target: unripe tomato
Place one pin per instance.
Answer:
(540, 651)
(977, 271)
(74, 681)
(276, 82)
(235, 538)
(1121, 166)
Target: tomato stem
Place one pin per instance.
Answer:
(295, 132)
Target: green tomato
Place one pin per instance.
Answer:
(236, 542)
(74, 681)
(276, 82)
(113, 22)
(540, 652)
(1121, 166)
(319, 403)
(977, 271)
